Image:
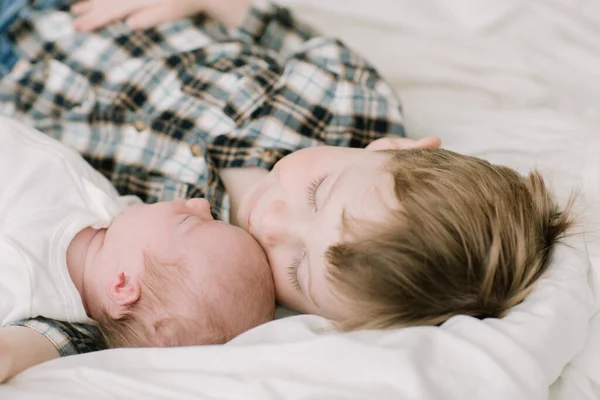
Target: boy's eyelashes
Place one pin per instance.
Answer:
(313, 189)
(293, 274)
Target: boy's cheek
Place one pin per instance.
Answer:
(285, 293)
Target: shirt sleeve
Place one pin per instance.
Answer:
(310, 90)
(69, 339)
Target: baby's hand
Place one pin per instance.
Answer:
(6, 366)
(6, 357)
(22, 348)
(391, 143)
(143, 14)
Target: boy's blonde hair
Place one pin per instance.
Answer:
(468, 238)
(172, 310)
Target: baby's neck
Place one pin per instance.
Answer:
(79, 256)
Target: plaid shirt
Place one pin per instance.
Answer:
(159, 112)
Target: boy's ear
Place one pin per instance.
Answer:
(124, 291)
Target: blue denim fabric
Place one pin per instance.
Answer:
(9, 11)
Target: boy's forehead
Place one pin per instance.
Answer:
(370, 194)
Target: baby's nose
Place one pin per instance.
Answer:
(200, 207)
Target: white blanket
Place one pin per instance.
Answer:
(516, 82)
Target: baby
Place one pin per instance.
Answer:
(157, 275)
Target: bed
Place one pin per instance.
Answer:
(516, 82)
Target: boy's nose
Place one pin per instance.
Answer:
(275, 226)
(200, 207)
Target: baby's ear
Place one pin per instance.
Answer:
(124, 291)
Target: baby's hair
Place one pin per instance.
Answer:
(468, 237)
(158, 318)
(153, 321)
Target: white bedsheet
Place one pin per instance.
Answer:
(516, 82)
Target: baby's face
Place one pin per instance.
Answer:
(178, 231)
(224, 269)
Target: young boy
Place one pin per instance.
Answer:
(392, 238)
(71, 249)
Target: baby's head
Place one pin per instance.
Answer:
(401, 237)
(168, 274)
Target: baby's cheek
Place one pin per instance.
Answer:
(164, 246)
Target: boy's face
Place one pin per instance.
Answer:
(296, 213)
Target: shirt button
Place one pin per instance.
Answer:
(196, 150)
(140, 125)
(269, 156)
